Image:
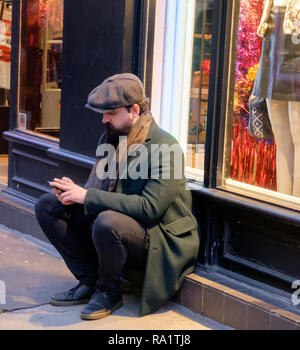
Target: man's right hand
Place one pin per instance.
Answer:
(58, 192)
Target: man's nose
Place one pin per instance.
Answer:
(105, 118)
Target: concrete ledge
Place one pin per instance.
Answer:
(237, 306)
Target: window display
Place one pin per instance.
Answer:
(41, 66)
(263, 114)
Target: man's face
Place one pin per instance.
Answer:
(119, 121)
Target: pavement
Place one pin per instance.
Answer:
(32, 270)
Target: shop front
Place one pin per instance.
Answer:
(255, 198)
(61, 50)
(230, 97)
(230, 94)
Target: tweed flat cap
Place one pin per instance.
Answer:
(119, 90)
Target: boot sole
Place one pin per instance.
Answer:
(102, 314)
(68, 303)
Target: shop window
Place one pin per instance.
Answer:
(41, 66)
(185, 82)
(262, 148)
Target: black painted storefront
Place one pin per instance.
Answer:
(252, 238)
(99, 39)
(249, 237)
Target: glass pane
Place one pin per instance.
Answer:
(5, 60)
(40, 69)
(263, 114)
(5, 51)
(200, 83)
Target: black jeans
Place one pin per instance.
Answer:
(96, 249)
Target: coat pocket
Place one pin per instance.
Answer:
(180, 226)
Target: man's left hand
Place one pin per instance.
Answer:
(72, 192)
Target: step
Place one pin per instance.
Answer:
(233, 300)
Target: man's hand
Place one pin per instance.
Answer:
(72, 192)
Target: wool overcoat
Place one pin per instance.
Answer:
(164, 207)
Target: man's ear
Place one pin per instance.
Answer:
(135, 110)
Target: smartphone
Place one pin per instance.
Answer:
(59, 189)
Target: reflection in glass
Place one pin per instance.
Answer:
(40, 68)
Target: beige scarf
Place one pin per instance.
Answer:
(137, 135)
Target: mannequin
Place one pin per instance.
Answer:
(278, 81)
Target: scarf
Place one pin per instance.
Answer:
(99, 177)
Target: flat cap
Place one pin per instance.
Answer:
(119, 90)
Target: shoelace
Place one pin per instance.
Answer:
(99, 296)
(73, 290)
(102, 297)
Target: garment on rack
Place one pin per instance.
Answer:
(278, 75)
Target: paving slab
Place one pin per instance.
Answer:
(32, 271)
(30, 274)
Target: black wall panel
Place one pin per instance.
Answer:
(93, 49)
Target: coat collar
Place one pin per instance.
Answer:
(152, 131)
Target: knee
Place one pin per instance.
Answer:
(105, 223)
(45, 203)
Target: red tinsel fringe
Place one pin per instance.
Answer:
(252, 161)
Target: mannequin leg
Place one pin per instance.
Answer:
(279, 117)
(294, 113)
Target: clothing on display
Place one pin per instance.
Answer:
(278, 75)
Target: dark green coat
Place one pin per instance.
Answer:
(164, 207)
